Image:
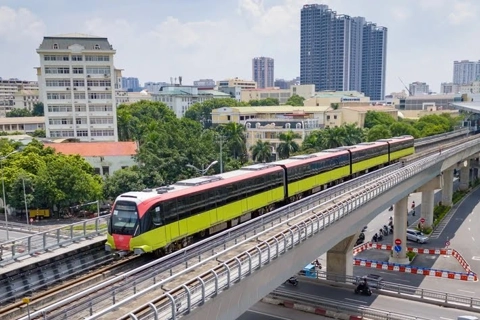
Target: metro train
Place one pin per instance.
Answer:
(165, 219)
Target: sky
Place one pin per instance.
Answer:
(159, 39)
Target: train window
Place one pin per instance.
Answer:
(210, 199)
(221, 196)
(155, 212)
(169, 211)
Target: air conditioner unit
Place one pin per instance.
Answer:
(74, 88)
(107, 89)
(67, 88)
(88, 88)
(105, 75)
(88, 76)
(75, 102)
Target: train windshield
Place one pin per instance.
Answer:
(124, 218)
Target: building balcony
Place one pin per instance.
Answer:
(56, 76)
(60, 126)
(59, 101)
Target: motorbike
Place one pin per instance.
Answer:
(363, 289)
(391, 208)
(293, 281)
(385, 230)
(391, 229)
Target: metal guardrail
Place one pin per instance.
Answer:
(186, 297)
(440, 137)
(404, 290)
(341, 307)
(54, 238)
(134, 279)
(45, 240)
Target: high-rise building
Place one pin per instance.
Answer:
(465, 71)
(78, 82)
(418, 88)
(342, 53)
(263, 72)
(130, 84)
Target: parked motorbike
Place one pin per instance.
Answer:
(391, 208)
(293, 281)
(363, 289)
(391, 229)
(385, 230)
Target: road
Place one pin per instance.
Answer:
(12, 235)
(384, 217)
(380, 302)
(263, 311)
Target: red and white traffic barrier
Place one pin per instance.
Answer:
(468, 276)
(310, 309)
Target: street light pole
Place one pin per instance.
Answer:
(25, 199)
(220, 140)
(203, 171)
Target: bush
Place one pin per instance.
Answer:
(425, 230)
(411, 255)
(439, 213)
(458, 195)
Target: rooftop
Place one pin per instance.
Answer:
(272, 109)
(370, 108)
(96, 149)
(22, 120)
(467, 106)
(63, 42)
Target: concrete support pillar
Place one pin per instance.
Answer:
(340, 257)
(464, 177)
(428, 197)
(400, 231)
(447, 190)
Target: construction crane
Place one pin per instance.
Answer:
(408, 90)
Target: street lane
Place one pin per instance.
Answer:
(375, 301)
(264, 311)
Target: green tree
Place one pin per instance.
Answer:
(287, 146)
(202, 112)
(295, 100)
(378, 132)
(125, 180)
(313, 142)
(38, 110)
(264, 102)
(373, 118)
(332, 138)
(402, 128)
(261, 151)
(236, 139)
(39, 133)
(352, 134)
(18, 113)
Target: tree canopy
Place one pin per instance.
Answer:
(14, 113)
(52, 180)
(295, 100)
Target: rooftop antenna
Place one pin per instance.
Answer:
(180, 80)
(175, 83)
(171, 80)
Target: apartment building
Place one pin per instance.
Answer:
(180, 98)
(263, 69)
(78, 82)
(418, 88)
(15, 93)
(236, 82)
(133, 97)
(306, 91)
(465, 71)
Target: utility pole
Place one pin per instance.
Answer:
(220, 140)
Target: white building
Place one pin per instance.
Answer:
(104, 157)
(78, 81)
(449, 87)
(132, 97)
(465, 71)
(154, 87)
(180, 98)
(13, 90)
(418, 88)
(26, 99)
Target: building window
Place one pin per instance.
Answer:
(335, 117)
(98, 70)
(59, 109)
(79, 96)
(97, 58)
(102, 133)
(97, 170)
(61, 70)
(101, 120)
(57, 83)
(77, 58)
(77, 70)
(82, 133)
(95, 96)
(96, 47)
(79, 83)
(58, 96)
(81, 120)
(55, 46)
(80, 108)
(100, 108)
(106, 171)
(99, 83)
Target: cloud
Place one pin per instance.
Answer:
(401, 13)
(462, 12)
(16, 25)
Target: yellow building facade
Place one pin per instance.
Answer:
(305, 91)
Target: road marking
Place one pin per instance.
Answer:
(446, 318)
(268, 315)
(466, 291)
(469, 220)
(473, 238)
(468, 229)
(402, 280)
(354, 300)
(476, 258)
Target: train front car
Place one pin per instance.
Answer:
(123, 226)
